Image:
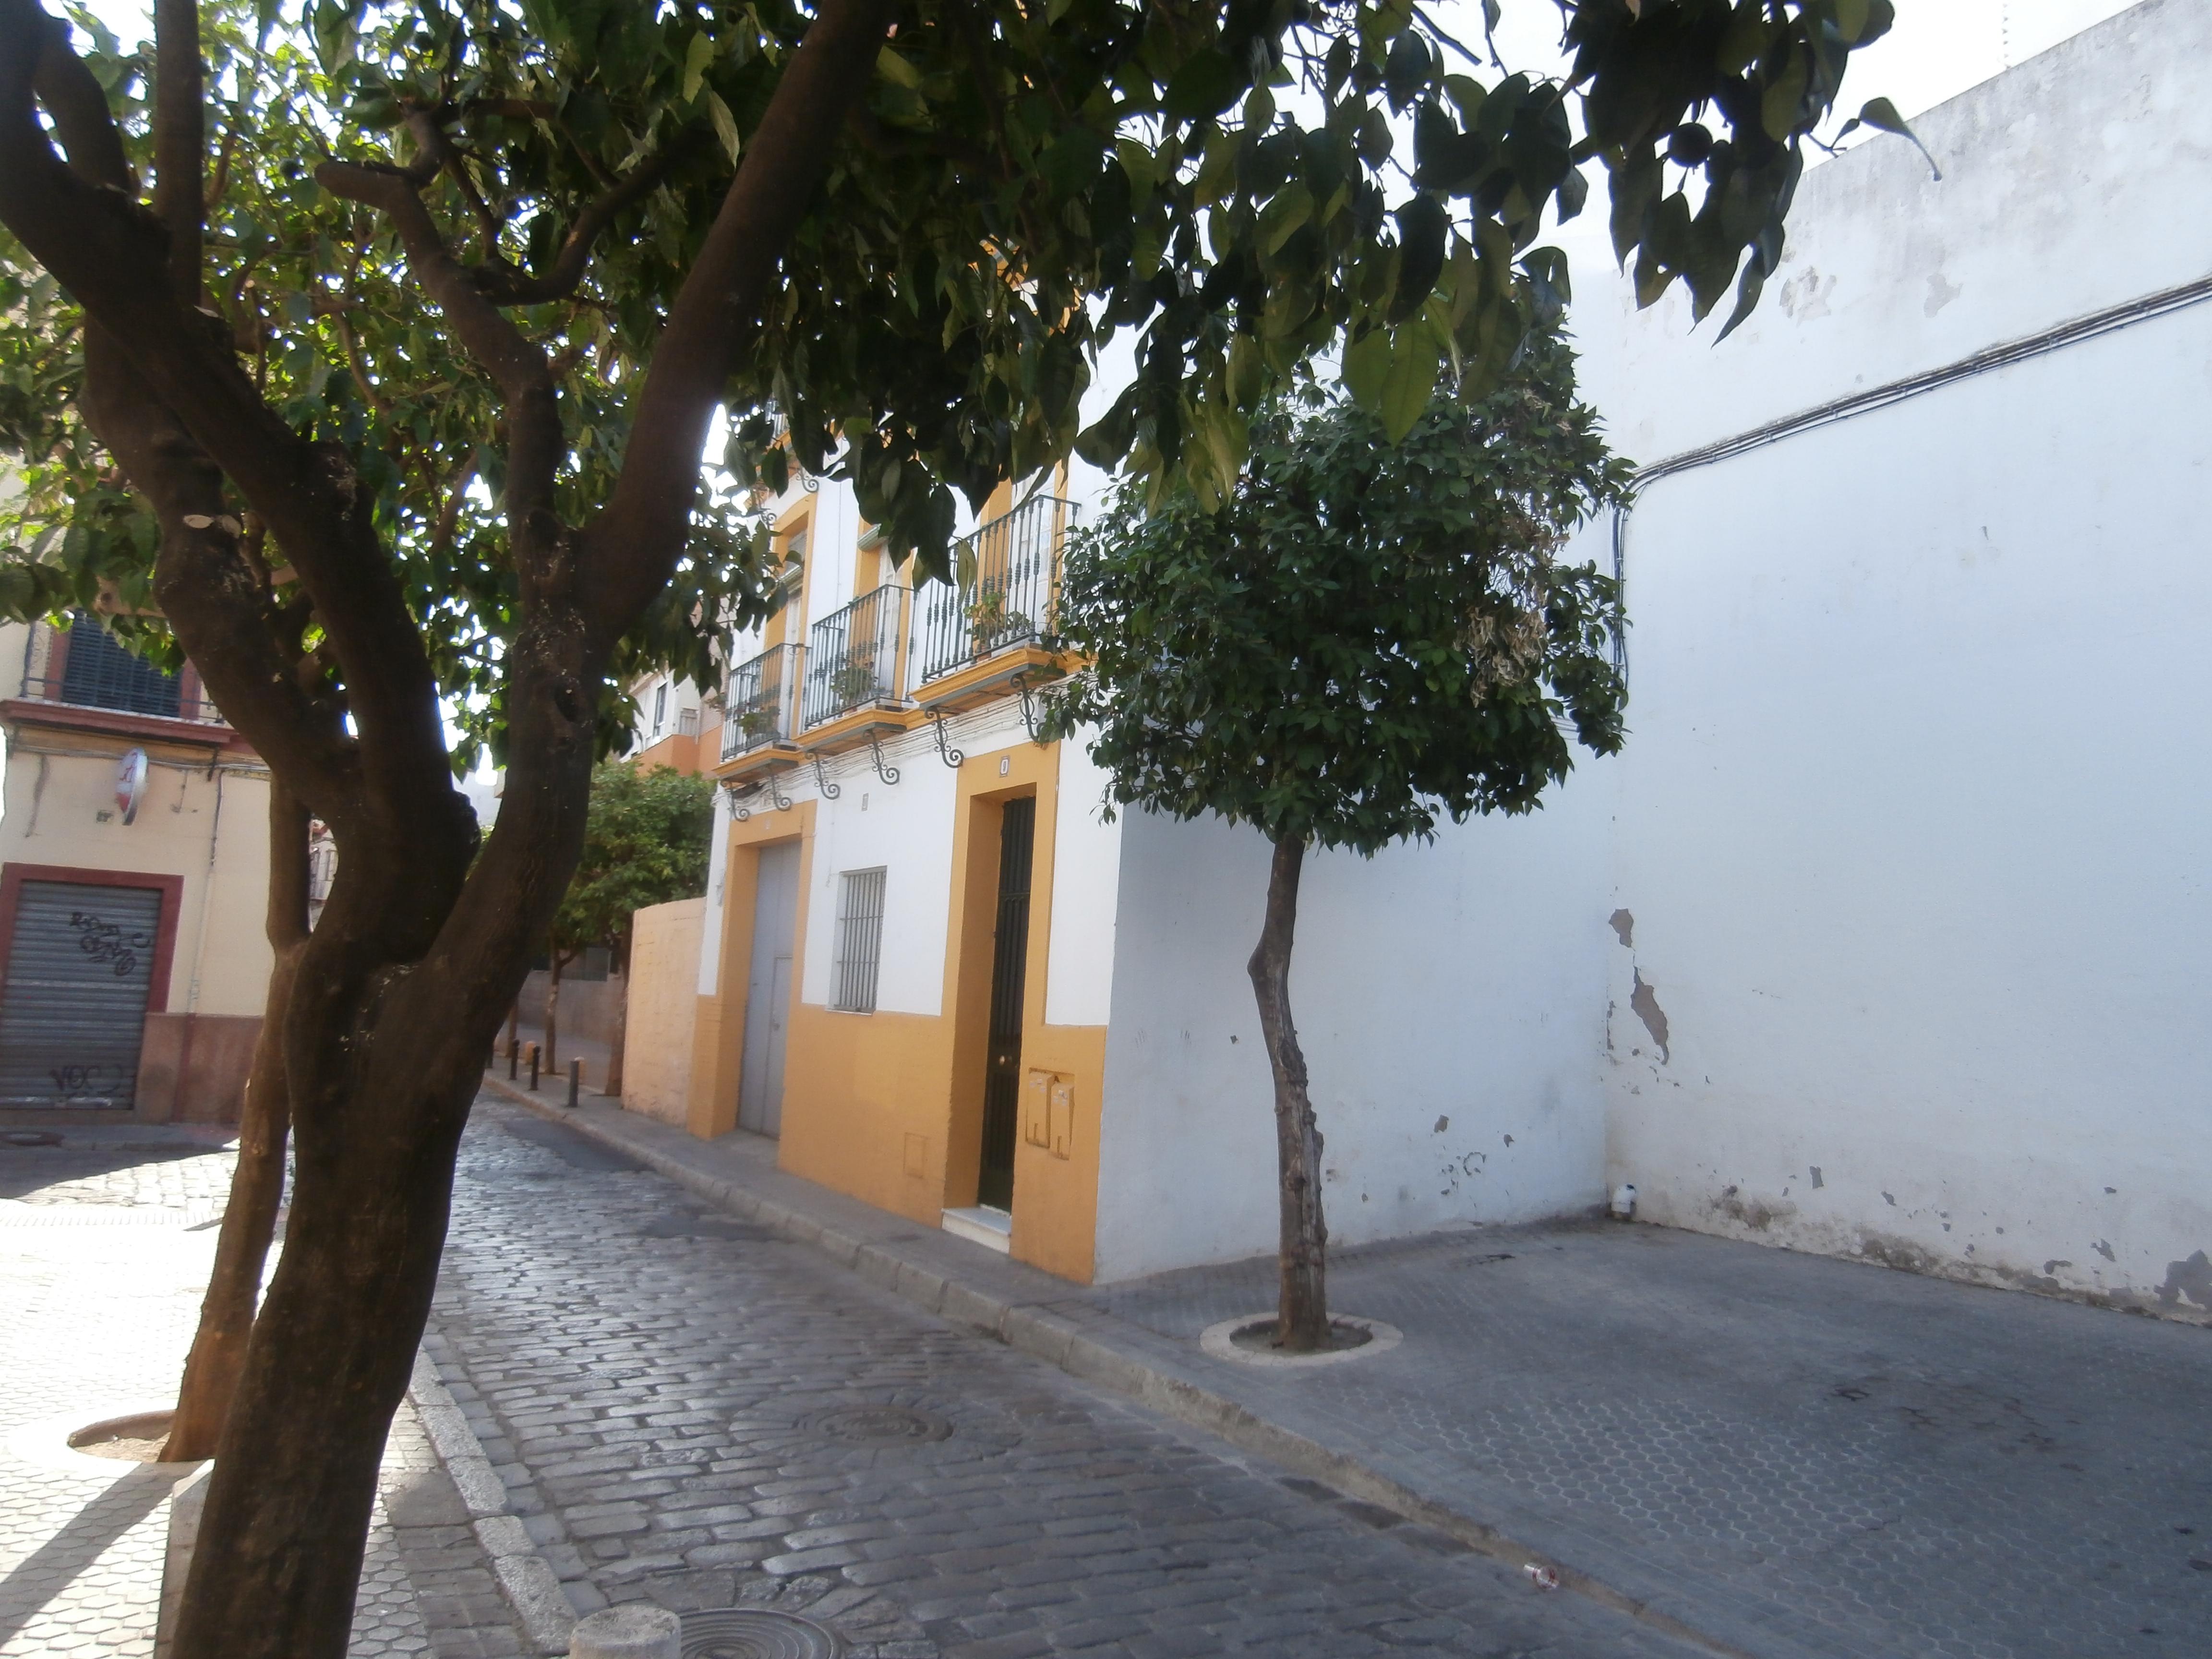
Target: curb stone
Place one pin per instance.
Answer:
(525, 1579)
(1061, 1341)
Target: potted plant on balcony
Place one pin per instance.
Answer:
(990, 624)
(852, 683)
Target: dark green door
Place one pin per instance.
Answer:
(1010, 953)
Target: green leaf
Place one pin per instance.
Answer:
(724, 128)
(1206, 83)
(1881, 113)
(1367, 368)
(1281, 219)
(1422, 225)
(1415, 362)
(1781, 105)
(895, 70)
(697, 57)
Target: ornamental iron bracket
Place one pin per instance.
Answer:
(888, 773)
(945, 752)
(1029, 711)
(829, 790)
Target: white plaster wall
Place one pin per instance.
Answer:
(1447, 998)
(1915, 828)
(906, 830)
(1914, 819)
(1078, 987)
(718, 870)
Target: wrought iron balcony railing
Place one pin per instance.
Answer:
(761, 704)
(85, 667)
(852, 655)
(1008, 583)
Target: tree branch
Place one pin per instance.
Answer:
(504, 285)
(87, 230)
(180, 141)
(519, 368)
(630, 550)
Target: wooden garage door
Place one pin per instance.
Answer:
(80, 971)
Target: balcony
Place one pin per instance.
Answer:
(1008, 583)
(84, 666)
(761, 702)
(853, 656)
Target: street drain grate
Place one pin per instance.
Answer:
(878, 1425)
(756, 1633)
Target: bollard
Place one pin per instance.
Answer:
(513, 1056)
(637, 1631)
(575, 1081)
(534, 1068)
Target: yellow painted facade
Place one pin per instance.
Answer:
(888, 1106)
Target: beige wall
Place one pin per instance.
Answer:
(211, 831)
(664, 978)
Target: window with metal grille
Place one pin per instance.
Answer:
(859, 940)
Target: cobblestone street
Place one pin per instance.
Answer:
(104, 1245)
(687, 1410)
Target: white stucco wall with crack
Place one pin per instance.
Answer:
(1914, 821)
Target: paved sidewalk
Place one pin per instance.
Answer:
(1792, 1456)
(105, 1242)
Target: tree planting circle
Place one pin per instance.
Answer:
(756, 1633)
(1220, 1341)
(885, 1425)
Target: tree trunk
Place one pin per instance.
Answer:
(553, 1011)
(384, 1049)
(1302, 1306)
(613, 1087)
(257, 1186)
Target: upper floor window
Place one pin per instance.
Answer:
(98, 673)
(660, 708)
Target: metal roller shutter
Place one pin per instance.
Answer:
(79, 972)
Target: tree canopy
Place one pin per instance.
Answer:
(645, 837)
(1364, 635)
(1242, 183)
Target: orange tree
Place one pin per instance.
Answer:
(646, 836)
(1364, 637)
(390, 395)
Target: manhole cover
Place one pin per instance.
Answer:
(756, 1633)
(879, 1425)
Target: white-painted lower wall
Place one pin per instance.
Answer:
(1447, 998)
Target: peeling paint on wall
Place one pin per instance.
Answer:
(2191, 1278)
(1623, 927)
(1645, 1001)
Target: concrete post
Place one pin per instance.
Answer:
(638, 1631)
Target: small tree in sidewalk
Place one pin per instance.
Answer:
(1363, 636)
(646, 838)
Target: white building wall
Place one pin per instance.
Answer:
(1449, 999)
(1914, 817)
(1078, 987)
